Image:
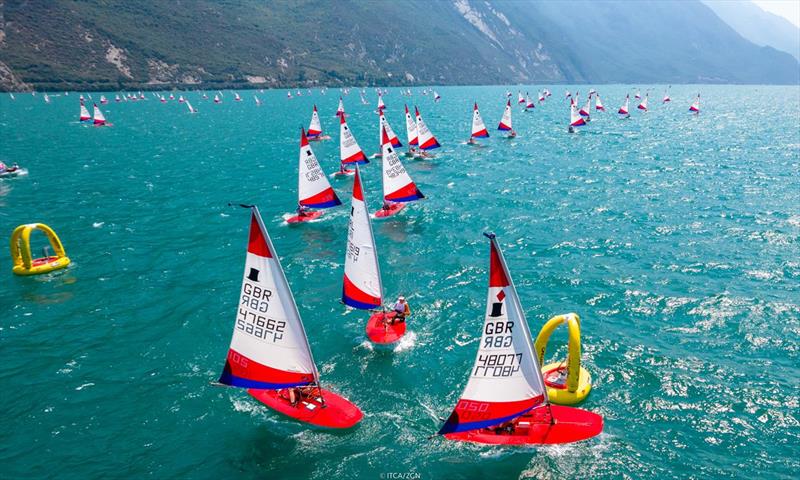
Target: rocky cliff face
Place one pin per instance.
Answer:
(73, 44)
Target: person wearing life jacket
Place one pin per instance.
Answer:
(401, 310)
(302, 211)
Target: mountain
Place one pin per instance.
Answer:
(112, 44)
(757, 25)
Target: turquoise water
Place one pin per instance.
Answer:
(676, 238)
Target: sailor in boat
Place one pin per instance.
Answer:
(571, 129)
(512, 134)
(295, 395)
(302, 210)
(6, 169)
(505, 428)
(401, 311)
(471, 141)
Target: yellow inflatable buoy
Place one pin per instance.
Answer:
(24, 264)
(566, 384)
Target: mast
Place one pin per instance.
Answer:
(267, 237)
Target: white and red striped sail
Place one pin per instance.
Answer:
(529, 105)
(623, 110)
(164, 100)
(695, 107)
(236, 97)
(598, 105)
(340, 108)
(268, 350)
(381, 105)
(411, 129)
(383, 123)
(216, 99)
(397, 184)
(638, 95)
(643, 105)
(541, 97)
(436, 96)
(666, 96)
(586, 108)
(520, 98)
(313, 189)
(426, 139)
(314, 127)
(506, 380)
(99, 118)
(478, 127)
(575, 120)
(349, 151)
(505, 122)
(103, 99)
(117, 99)
(84, 116)
(362, 286)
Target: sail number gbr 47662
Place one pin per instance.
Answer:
(252, 318)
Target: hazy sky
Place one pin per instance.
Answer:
(788, 9)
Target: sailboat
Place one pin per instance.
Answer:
(258, 101)
(666, 96)
(411, 134)
(181, 99)
(217, 99)
(99, 118)
(384, 124)
(172, 96)
(164, 100)
(381, 105)
(11, 96)
(269, 353)
(529, 105)
(398, 188)
(426, 139)
(191, 108)
(349, 151)
(695, 107)
(586, 108)
(236, 97)
(520, 98)
(623, 110)
(313, 190)
(289, 95)
(117, 99)
(575, 120)
(478, 127)
(436, 96)
(362, 287)
(638, 94)
(340, 108)
(598, 105)
(315, 128)
(84, 117)
(541, 97)
(505, 401)
(103, 100)
(505, 122)
(643, 106)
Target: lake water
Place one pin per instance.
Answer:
(676, 239)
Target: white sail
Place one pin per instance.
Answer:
(269, 348)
